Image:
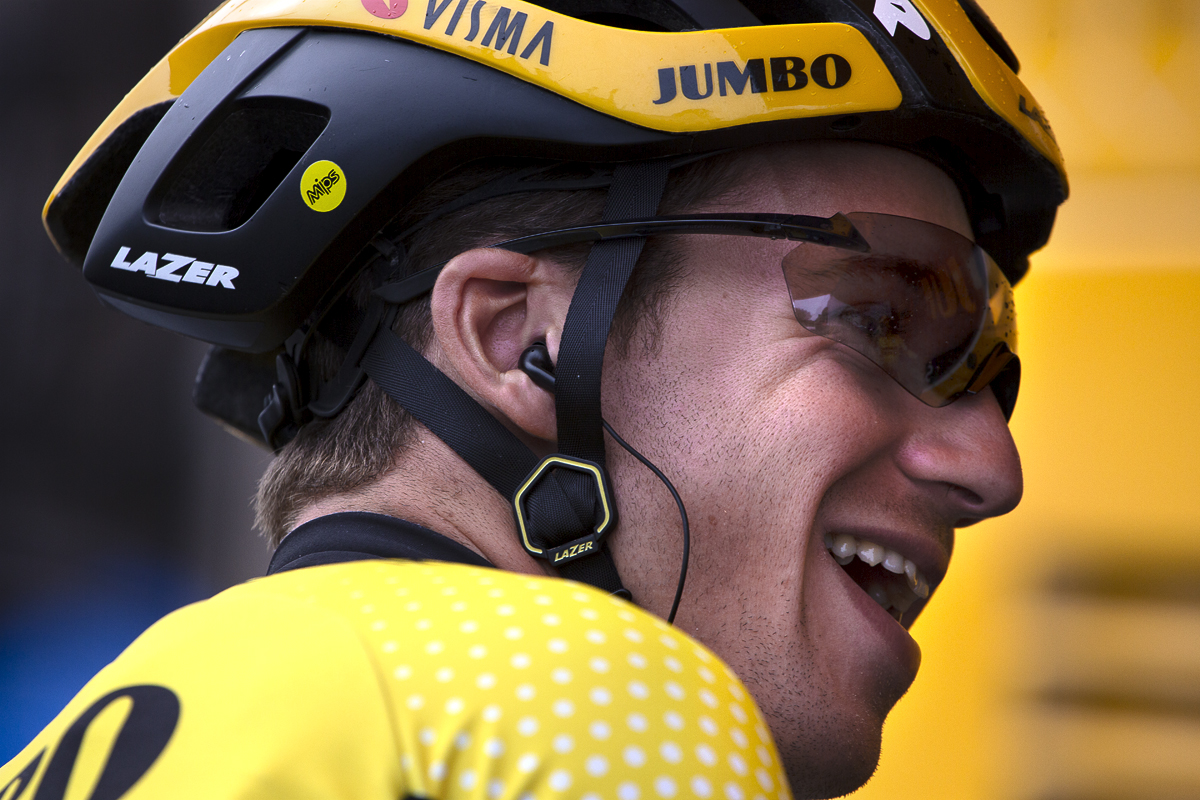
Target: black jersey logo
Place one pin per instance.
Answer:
(143, 736)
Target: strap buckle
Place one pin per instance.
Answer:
(576, 548)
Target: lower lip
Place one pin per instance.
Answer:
(903, 647)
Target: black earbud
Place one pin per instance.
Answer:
(535, 362)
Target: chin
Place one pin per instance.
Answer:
(833, 766)
(829, 750)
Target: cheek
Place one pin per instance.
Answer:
(752, 442)
(752, 423)
(790, 437)
(787, 418)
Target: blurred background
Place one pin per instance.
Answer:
(1062, 659)
(119, 501)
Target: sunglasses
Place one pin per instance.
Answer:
(923, 303)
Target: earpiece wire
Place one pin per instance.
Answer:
(687, 538)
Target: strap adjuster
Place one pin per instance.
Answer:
(576, 548)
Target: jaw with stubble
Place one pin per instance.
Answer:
(825, 715)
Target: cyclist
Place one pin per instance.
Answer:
(704, 303)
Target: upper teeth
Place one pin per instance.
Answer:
(845, 547)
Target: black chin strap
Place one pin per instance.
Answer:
(450, 413)
(563, 504)
(636, 191)
(554, 513)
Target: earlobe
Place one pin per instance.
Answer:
(488, 306)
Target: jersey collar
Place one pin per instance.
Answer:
(359, 535)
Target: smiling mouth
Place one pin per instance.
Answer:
(888, 578)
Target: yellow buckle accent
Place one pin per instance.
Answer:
(550, 462)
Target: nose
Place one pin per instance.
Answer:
(964, 458)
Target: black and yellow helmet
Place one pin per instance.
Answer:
(227, 193)
(356, 103)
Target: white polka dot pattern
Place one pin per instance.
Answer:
(508, 687)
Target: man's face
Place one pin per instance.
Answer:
(776, 439)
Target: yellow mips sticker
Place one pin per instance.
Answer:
(323, 186)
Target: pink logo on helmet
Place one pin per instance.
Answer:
(386, 9)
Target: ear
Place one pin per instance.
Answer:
(488, 305)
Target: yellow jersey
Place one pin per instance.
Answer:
(391, 679)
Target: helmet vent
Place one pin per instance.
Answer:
(847, 123)
(220, 184)
(74, 214)
(990, 33)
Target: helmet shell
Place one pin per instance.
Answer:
(227, 195)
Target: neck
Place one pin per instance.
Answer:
(440, 492)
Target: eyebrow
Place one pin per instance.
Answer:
(885, 262)
(912, 270)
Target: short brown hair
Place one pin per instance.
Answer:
(358, 446)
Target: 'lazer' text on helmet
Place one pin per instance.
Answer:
(202, 272)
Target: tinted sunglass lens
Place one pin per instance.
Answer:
(925, 304)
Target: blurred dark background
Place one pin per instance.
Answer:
(118, 500)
